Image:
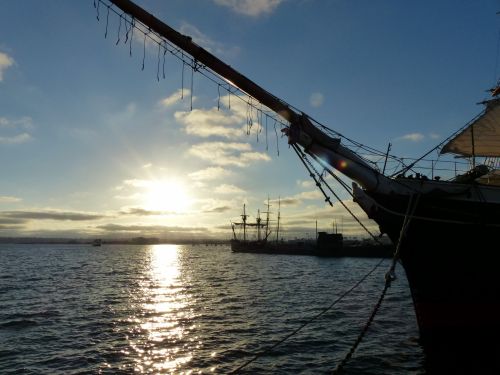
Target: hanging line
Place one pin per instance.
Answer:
(107, 22)
(267, 144)
(163, 65)
(182, 80)
(132, 27)
(97, 8)
(193, 68)
(144, 51)
(158, 64)
(128, 27)
(277, 139)
(119, 30)
(218, 98)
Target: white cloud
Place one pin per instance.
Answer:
(175, 97)
(5, 62)
(316, 99)
(413, 137)
(16, 139)
(211, 173)
(228, 189)
(9, 199)
(25, 123)
(313, 194)
(220, 153)
(250, 7)
(206, 123)
(305, 183)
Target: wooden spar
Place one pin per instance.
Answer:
(204, 57)
(301, 131)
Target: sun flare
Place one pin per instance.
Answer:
(166, 195)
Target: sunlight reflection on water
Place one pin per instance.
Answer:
(193, 309)
(164, 305)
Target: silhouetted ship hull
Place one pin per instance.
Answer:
(284, 248)
(452, 266)
(327, 245)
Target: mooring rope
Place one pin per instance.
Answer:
(389, 278)
(297, 330)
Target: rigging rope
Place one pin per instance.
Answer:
(304, 160)
(389, 278)
(297, 330)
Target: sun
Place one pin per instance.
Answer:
(166, 195)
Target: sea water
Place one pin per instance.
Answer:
(120, 309)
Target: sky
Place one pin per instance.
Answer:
(93, 144)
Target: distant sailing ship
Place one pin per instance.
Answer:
(325, 244)
(246, 244)
(444, 229)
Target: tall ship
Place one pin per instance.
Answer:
(259, 238)
(443, 229)
(244, 243)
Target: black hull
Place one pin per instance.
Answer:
(453, 269)
(305, 248)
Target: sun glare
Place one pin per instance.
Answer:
(166, 195)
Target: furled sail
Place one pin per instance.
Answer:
(481, 137)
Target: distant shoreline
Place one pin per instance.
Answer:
(89, 241)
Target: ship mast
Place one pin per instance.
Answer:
(244, 220)
(278, 226)
(258, 221)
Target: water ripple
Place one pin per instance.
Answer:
(72, 309)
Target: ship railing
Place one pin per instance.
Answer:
(433, 169)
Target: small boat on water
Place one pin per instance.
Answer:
(97, 242)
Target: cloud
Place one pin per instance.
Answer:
(9, 199)
(10, 221)
(218, 209)
(290, 201)
(16, 139)
(51, 215)
(24, 122)
(316, 99)
(305, 183)
(175, 97)
(138, 211)
(211, 173)
(310, 195)
(5, 62)
(228, 189)
(220, 153)
(413, 137)
(250, 7)
(156, 229)
(211, 205)
(212, 122)
(231, 123)
(299, 198)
